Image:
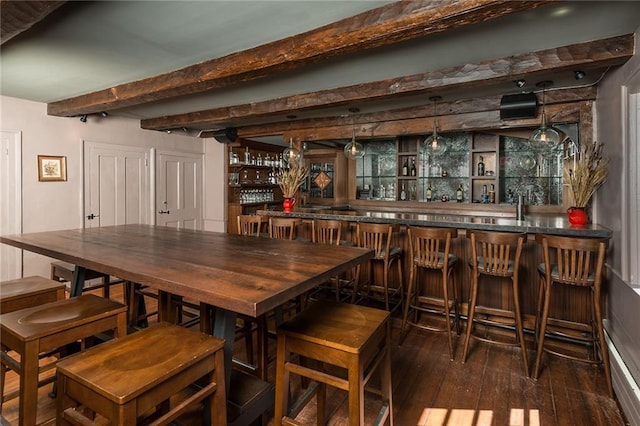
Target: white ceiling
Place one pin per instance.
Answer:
(87, 46)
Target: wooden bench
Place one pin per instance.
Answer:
(27, 292)
(45, 328)
(125, 379)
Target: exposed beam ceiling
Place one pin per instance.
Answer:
(387, 25)
(291, 68)
(19, 16)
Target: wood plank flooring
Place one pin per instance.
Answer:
(429, 389)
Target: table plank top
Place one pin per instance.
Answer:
(247, 275)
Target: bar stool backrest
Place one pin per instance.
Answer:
(283, 228)
(430, 247)
(326, 231)
(578, 261)
(491, 252)
(249, 225)
(376, 236)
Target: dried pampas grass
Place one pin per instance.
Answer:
(591, 170)
(291, 179)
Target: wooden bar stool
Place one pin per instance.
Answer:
(329, 232)
(378, 236)
(492, 255)
(125, 379)
(28, 292)
(45, 328)
(577, 264)
(352, 337)
(430, 249)
(249, 225)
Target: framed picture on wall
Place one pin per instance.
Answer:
(52, 168)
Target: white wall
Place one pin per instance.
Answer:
(59, 205)
(612, 129)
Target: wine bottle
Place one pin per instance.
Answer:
(481, 167)
(413, 167)
(429, 193)
(459, 194)
(403, 193)
(405, 168)
(492, 194)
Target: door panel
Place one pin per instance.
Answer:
(11, 202)
(116, 185)
(179, 190)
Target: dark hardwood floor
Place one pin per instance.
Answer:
(429, 389)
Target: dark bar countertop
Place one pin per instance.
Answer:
(532, 224)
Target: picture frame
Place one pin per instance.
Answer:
(52, 168)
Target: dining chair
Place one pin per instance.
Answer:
(573, 267)
(495, 256)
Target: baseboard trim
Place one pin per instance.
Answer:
(626, 389)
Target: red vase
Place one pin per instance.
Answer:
(287, 204)
(577, 216)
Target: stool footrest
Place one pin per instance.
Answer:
(74, 417)
(317, 376)
(179, 409)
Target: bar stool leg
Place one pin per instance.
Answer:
(516, 307)
(356, 393)
(445, 290)
(543, 330)
(471, 313)
(603, 342)
(410, 295)
(29, 384)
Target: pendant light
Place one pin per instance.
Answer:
(544, 137)
(354, 150)
(435, 143)
(291, 155)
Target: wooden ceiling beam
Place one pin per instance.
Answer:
(389, 24)
(18, 16)
(600, 53)
(468, 121)
(479, 105)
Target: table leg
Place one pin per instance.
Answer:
(78, 281)
(224, 327)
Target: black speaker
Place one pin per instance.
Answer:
(521, 105)
(226, 135)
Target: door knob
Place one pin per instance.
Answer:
(92, 216)
(163, 212)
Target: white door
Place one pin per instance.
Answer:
(11, 202)
(116, 185)
(179, 190)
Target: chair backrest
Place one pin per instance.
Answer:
(492, 252)
(283, 228)
(376, 236)
(430, 247)
(249, 225)
(326, 231)
(578, 261)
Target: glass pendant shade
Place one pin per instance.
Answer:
(290, 154)
(434, 144)
(354, 150)
(544, 137)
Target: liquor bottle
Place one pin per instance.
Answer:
(247, 157)
(429, 193)
(492, 194)
(485, 195)
(413, 167)
(403, 193)
(481, 167)
(405, 168)
(459, 194)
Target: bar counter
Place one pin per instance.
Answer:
(569, 307)
(532, 224)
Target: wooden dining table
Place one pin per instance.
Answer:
(232, 273)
